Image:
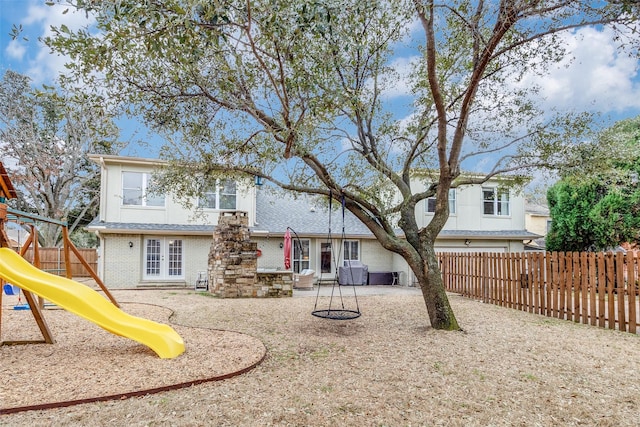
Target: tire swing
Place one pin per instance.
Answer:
(336, 310)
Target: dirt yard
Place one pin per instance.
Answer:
(386, 368)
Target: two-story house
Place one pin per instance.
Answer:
(482, 218)
(150, 239)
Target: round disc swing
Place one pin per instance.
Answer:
(336, 310)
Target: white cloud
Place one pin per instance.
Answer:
(15, 49)
(399, 85)
(594, 76)
(36, 13)
(45, 66)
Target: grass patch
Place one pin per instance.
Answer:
(206, 294)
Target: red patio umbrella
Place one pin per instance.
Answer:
(287, 250)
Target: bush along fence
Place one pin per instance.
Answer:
(599, 289)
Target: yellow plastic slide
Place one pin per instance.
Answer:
(85, 302)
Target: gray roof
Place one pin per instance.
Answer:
(307, 215)
(535, 208)
(488, 234)
(134, 227)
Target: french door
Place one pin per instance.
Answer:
(163, 259)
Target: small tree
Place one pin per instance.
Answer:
(297, 92)
(45, 136)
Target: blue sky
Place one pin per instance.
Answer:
(32, 58)
(596, 78)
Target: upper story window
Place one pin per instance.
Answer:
(223, 196)
(431, 202)
(135, 186)
(495, 201)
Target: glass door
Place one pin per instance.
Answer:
(325, 257)
(163, 259)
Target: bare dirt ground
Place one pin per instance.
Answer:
(386, 368)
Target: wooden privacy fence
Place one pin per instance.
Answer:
(52, 261)
(599, 289)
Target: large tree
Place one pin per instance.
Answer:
(298, 92)
(45, 135)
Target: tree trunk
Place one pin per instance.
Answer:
(430, 279)
(50, 234)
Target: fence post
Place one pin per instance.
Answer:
(631, 290)
(561, 281)
(620, 291)
(584, 286)
(611, 278)
(602, 289)
(593, 284)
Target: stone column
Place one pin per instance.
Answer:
(232, 258)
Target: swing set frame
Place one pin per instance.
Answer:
(36, 305)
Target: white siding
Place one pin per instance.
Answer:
(469, 211)
(112, 209)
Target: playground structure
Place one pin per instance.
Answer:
(66, 293)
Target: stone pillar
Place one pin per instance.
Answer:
(232, 259)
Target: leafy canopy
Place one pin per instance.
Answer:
(596, 204)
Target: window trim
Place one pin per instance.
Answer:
(217, 195)
(453, 202)
(326, 257)
(497, 203)
(345, 261)
(299, 259)
(147, 178)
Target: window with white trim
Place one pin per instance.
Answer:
(351, 251)
(223, 196)
(495, 201)
(301, 255)
(135, 190)
(431, 202)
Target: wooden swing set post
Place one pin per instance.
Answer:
(33, 236)
(35, 306)
(68, 245)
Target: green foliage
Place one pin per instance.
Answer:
(82, 238)
(598, 208)
(570, 205)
